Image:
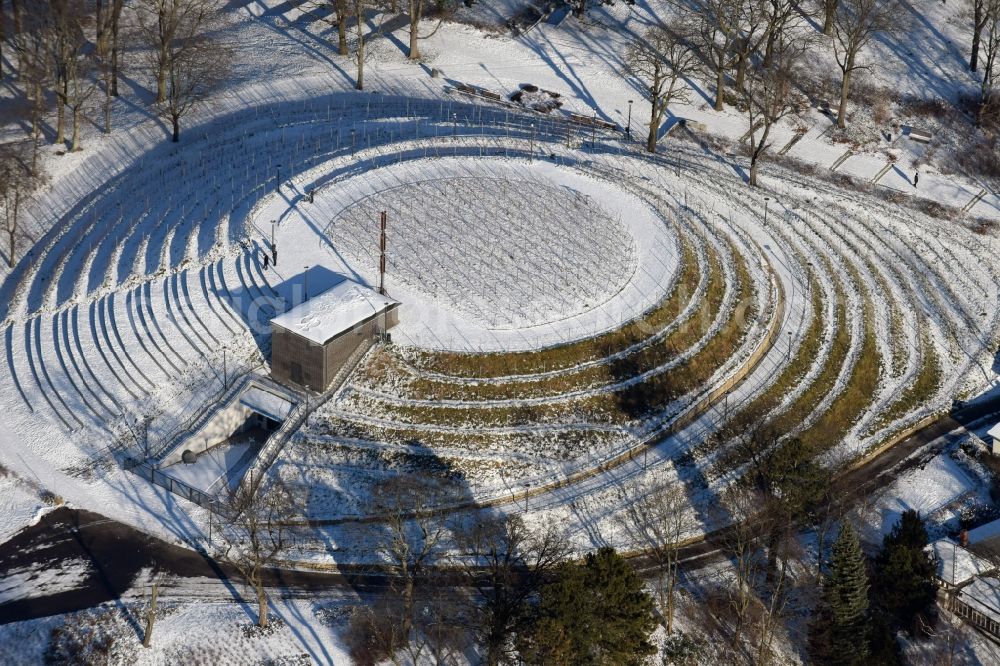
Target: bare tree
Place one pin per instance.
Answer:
(658, 521)
(715, 25)
(661, 60)
(361, 14)
(18, 179)
(162, 23)
(749, 34)
(506, 563)
(256, 535)
(990, 46)
(416, 13)
(106, 48)
(34, 40)
(409, 537)
(67, 45)
(980, 16)
(769, 96)
(147, 635)
(198, 64)
(855, 23)
(744, 545)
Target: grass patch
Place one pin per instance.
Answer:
(649, 357)
(479, 365)
(926, 384)
(764, 403)
(856, 396)
(803, 406)
(615, 407)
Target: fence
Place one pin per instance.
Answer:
(188, 492)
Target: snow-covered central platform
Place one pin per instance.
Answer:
(484, 254)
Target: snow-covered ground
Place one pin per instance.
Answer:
(144, 291)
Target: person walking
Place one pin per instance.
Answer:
(916, 177)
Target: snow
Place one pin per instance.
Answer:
(267, 403)
(334, 311)
(43, 581)
(956, 565)
(983, 595)
(224, 462)
(929, 489)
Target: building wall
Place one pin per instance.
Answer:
(226, 423)
(295, 359)
(320, 363)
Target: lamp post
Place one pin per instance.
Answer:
(628, 128)
(531, 154)
(527, 489)
(305, 283)
(278, 176)
(225, 375)
(272, 233)
(766, 201)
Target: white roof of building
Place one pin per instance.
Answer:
(994, 432)
(983, 595)
(956, 565)
(334, 311)
(984, 533)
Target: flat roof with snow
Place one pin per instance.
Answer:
(335, 311)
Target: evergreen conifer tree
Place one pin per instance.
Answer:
(595, 614)
(846, 593)
(904, 575)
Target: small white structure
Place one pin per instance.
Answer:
(979, 604)
(994, 434)
(956, 566)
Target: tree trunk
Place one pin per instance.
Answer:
(75, 140)
(3, 35)
(342, 32)
(107, 97)
(828, 15)
(581, 7)
(10, 257)
(416, 8)
(845, 87)
(60, 118)
(261, 605)
(654, 127)
(15, 10)
(359, 13)
(117, 10)
(147, 636)
(977, 29)
(720, 84)
(175, 119)
(741, 68)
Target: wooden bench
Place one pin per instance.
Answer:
(923, 136)
(590, 121)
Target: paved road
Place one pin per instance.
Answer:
(111, 555)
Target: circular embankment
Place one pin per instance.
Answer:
(584, 323)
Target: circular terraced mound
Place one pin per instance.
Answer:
(600, 320)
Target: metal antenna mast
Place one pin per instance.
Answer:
(381, 263)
